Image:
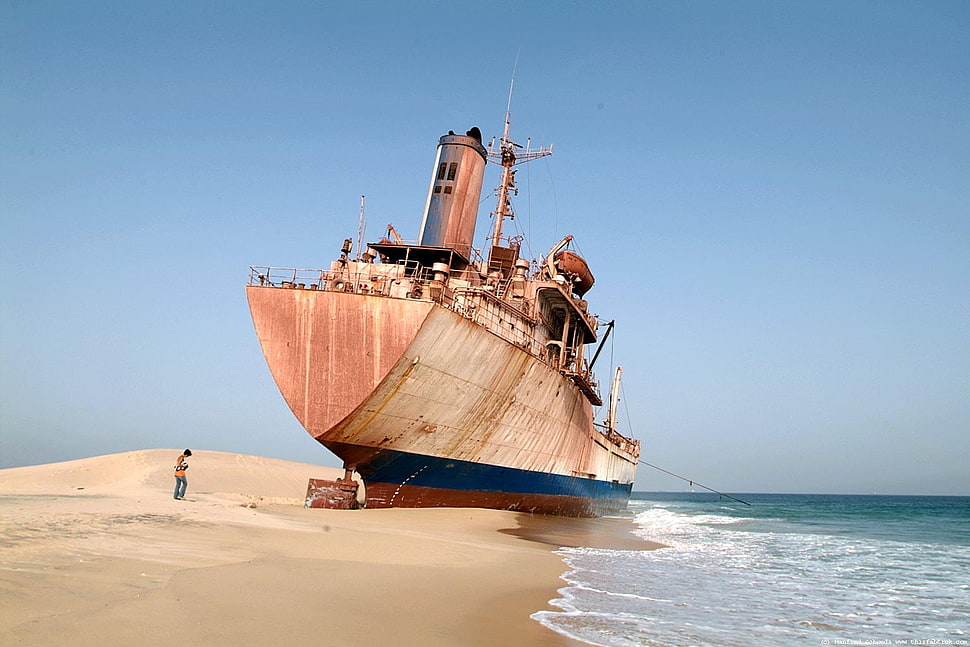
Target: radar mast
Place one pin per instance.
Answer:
(509, 154)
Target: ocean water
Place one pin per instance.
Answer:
(786, 570)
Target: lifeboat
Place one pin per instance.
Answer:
(574, 266)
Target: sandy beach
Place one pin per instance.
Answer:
(97, 552)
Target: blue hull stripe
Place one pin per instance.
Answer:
(389, 466)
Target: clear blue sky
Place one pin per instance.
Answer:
(774, 197)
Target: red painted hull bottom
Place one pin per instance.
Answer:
(389, 495)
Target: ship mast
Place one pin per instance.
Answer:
(614, 399)
(507, 155)
(361, 229)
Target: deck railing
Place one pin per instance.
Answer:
(284, 277)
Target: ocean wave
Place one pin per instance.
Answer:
(728, 580)
(666, 520)
(578, 585)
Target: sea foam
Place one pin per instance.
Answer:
(780, 573)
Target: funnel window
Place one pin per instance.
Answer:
(453, 170)
(441, 170)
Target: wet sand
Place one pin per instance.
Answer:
(561, 532)
(97, 552)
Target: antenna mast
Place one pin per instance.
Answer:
(507, 155)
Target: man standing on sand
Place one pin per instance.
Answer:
(180, 481)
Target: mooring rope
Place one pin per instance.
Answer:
(623, 399)
(693, 482)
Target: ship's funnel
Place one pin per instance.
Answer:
(456, 186)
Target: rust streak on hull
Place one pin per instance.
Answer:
(327, 351)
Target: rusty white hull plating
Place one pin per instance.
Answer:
(433, 409)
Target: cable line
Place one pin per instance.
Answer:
(630, 426)
(693, 482)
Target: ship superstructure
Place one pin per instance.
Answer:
(446, 379)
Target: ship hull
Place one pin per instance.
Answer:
(432, 409)
(404, 480)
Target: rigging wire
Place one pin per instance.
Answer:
(629, 426)
(612, 349)
(693, 482)
(626, 410)
(528, 188)
(555, 199)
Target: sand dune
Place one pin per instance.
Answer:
(151, 471)
(97, 552)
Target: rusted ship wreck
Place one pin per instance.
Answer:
(444, 378)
